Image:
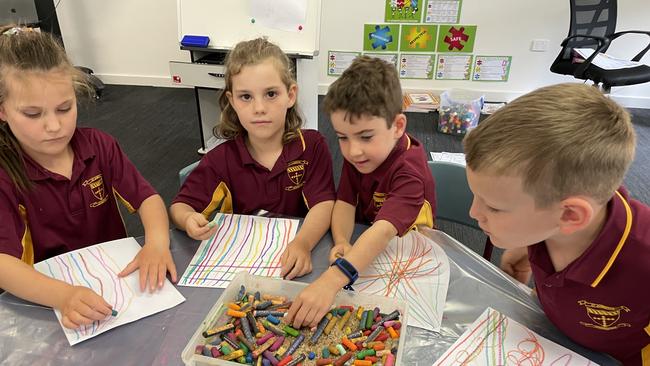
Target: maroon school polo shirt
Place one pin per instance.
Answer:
(58, 214)
(602, 299)
(401, 190)
(300, 179)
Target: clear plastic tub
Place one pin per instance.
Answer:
(290, 289)
(460, 111)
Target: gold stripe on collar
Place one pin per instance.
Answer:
(621, 242)
(408, 142)
(302, 139)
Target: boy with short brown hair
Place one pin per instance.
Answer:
(546, 171)
(385, 182)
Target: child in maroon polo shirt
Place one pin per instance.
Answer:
(268, 162)
(59, 183)
(546, 172)
(385, 182)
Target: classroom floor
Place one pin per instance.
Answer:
(158, 130)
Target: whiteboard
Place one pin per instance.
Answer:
(228, 22)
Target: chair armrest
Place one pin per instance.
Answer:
(603, 43)
(638, 57)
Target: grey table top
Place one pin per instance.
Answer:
(31, 335)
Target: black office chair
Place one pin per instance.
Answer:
(593, 25)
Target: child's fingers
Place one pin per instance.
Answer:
(171, 267)
(153, 277)
(99, 304)
(65, 320)
(144, 274)
(162, 272)
(132, 266)
(77, 319)
(288, 266)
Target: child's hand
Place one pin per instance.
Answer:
(339, 250)
(83, 306)
(296, 260)
(197, 227)
(154, 261)
(311, 305)
(515, 263)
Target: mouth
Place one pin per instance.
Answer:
(361, 162)
(56, 139)
(261, 122)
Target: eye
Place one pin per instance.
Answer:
(341, 138)
(492, 209)
(245, 97)
(271, 93)
(65, 109)
(33, 115)
(366, 138)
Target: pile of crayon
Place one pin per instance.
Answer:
(251, 330)
(458, 118)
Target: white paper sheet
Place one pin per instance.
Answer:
(455, 158)
(494, 339)
(605, 61)
(287, 15)
(415, 269)
(241, 243)
(97, 267)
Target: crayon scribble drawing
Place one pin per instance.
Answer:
(97, 267)
(415, 269)
(241, 243)
(494, 339)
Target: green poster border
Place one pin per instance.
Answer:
(441, 42)
(434, 38)
(374, 54)
(471, 66)
(424, 16)
(370, 27)
(416, 19)
(328, 60)
(433, 57)
(492, 81)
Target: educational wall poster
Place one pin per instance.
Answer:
(286, 15)
(412, 268)
(380, 37)
(391, 58)
(491, 68)
(416, 66)
(418, 38)
(96, 267)
(453, 67)
(442, 11)
(456, 38)
(241, 243)
(495, 340)
(403, 11)
(338, 61)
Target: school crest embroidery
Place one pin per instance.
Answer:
(378, 199)
(603, 317)
(96, 185)
(296, 173)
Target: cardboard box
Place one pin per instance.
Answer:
(290, 289)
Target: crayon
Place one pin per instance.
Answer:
(218, 330)
(113, 312)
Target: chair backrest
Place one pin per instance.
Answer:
(453, 196)
(592, 18)
(183, 173)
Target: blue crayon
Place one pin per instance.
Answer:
(295, 344)
(311, 355)
(113, 312)
(263, 305)
(242, 292)
(273, 319)
(319, 330)
(260, 313)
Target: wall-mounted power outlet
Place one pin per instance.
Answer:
(539, 45)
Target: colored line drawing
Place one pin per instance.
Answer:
(96, 267)
(415, 269)
(241, 243)
(495, 339)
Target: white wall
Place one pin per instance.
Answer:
(131, 42)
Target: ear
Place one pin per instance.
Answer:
(229, 96)
(577, 214)
(3, 115)
(399, 122)
(293, 94)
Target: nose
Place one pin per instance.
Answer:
(258, 106)
(355, 149)
(475, 211)
(52, 123)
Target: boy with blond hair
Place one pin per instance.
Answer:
(385, 181)
(546, 173)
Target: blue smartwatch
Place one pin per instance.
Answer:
(348, 270)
